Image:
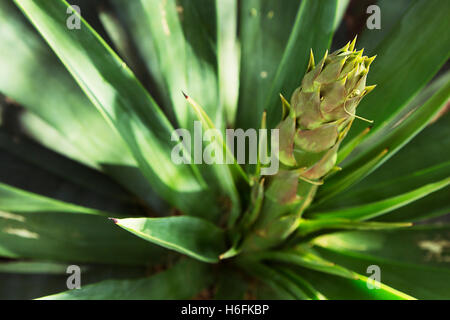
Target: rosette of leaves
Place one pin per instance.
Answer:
(88, 116)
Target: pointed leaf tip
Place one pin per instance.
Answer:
(345, 48)
(114, 220)
(353, 43)
(369, 61)
(311, 63)
(370, 88)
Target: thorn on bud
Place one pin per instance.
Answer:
(185, 95)
(353, 43)
(311, 63)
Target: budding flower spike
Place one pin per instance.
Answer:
(314, 123)
(323, 108)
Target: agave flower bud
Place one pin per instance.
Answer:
(313, 125)
(322, 110)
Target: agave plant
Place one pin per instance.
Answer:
(87, 137)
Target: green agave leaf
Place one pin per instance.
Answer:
(17, 200)
(224, 174)
(183, 281)
(21, 286)
(432, 206)
(304, 259)
(181, 58)
(334, 285)
(265, 27)
(307, 227)
(391, 13)
(408, 128)
(119, 37)
(33, 77)
(346, 181)
(228, 56)
(414, 260)
(410, 245)
(114, 90)
(128, 176)
(44, 134)
(347, 149)
(42, 85)
(278, 282)
(33, 267)
(47, 172)
(275, 51)
(180, 54)
(133, 180)
(338, 288)
(374, 190)
(135, 21)
(63, 236)
(191, 236)
(302, 283)
(424, 95)
(33, 226)
(418, 154)
(417, 164)
(314, 27)
(21, 147)
(376, 209)
(342, 6)
(407, 60)
(26, 280)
